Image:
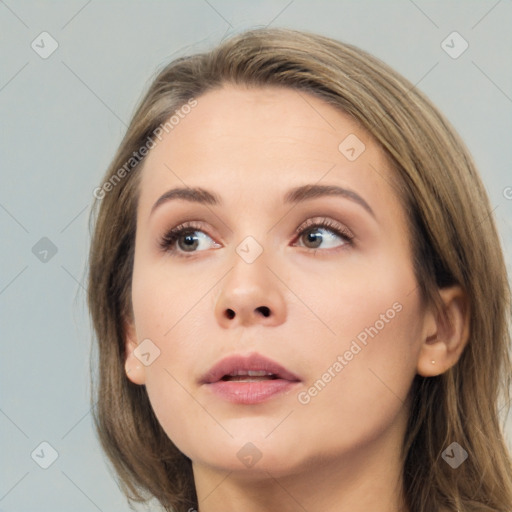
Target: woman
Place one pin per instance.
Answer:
(298, 291)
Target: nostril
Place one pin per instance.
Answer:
(264, 310)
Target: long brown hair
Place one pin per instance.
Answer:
(453, 236)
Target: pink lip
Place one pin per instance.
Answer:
(248, 392)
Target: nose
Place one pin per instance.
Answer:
(250, 294)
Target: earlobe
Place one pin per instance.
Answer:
(133, 368)
(447, 333)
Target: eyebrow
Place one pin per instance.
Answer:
(293, 196)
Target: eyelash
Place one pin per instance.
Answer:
(168, 240)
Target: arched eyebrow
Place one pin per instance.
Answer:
(293, 196)
(305, 192)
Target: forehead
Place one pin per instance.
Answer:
(252, 142)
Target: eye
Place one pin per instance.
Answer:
(186, 238)
(189, 238)
(326, 232)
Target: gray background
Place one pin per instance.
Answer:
(62, 119)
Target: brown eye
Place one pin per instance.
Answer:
(325, 232)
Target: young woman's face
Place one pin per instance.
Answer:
(295, 266)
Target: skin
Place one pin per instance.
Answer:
(340, 451)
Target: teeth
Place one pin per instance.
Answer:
(250, 373)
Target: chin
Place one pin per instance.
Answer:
(256, 458)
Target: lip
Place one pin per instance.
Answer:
(248, 392)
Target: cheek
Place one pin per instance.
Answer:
(180, 415)
(164, 298)
(360, 381)
(365, 363)
(167, 312)
(356, 301)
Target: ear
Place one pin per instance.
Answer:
(134, 369)
(446, 334)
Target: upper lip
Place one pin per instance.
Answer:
(240, 363)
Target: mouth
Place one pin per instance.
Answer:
(248, 379)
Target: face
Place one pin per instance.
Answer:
(279, 324)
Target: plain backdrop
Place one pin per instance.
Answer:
(63, 116)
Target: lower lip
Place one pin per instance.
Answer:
(250, 392)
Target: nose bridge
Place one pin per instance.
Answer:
(250, 293)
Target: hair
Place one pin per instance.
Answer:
(453, 240)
